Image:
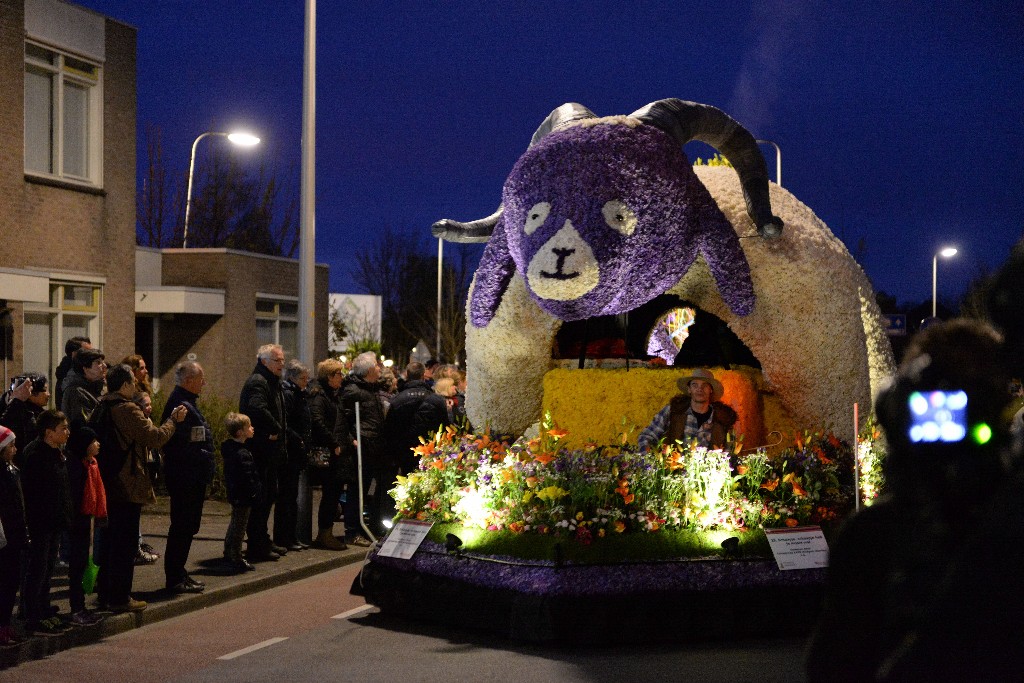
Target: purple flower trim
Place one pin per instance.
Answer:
(595, 580)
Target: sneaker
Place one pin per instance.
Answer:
(262, 555)
(84, 618)
(184, 586)
(193, 581)
(280, 550)
(147, 548)
(143, 557)
(241, 565)
(132, 605)
(359, 541)
(49, 627)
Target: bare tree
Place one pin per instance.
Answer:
(231, 207)
(158, 205)
(395, 268)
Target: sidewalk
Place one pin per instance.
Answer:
(204, 564)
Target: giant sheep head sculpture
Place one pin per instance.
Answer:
(601, 215)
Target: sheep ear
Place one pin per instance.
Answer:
(720, 247)
(492, 278)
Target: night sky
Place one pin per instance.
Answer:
(900, 125)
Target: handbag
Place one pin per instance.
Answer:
(320, 457)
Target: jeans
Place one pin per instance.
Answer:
(42, 556)
(236, 531)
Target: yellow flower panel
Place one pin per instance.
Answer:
(590, 404)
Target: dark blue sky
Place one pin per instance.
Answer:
(899, 123)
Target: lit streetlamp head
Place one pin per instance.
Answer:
(947, 252)
(243, 139)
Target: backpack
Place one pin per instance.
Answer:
(113, 455)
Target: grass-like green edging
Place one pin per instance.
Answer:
(617, 548)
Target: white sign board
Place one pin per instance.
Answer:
(405, 539)
(798, 548)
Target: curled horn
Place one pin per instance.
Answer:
(687, 121)
(474, 231)
(480, 230)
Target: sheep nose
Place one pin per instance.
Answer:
(564, 268)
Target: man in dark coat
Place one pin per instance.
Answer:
(188, 470)
(360, 387)
(71, 348)
(84, 384)
(415, 411)
(263, 402)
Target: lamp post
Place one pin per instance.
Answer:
(944, 253)
(240, 139)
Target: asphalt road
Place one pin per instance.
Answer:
(313, 630)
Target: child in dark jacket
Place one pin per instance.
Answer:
(12, 518)
(44, 480)
(243, 485)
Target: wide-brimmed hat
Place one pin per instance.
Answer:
(700, 373)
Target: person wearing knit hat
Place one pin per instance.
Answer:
(89, 500)
(12, 519)
(695, 414)
(6, 438)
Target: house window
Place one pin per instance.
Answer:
(73, 311)
(63, 100)
(277, 322)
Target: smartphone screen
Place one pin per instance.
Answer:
(937, 416)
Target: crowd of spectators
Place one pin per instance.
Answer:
(75, 473)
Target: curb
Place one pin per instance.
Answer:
(44, 646)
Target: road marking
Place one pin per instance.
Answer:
(251, 648)
(353, 612)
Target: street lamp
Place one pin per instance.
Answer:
(238, 138)
(944, 253)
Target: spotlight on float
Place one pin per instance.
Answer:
(731, 546)
(452, 544)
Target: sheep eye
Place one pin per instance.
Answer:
(619, 217)
(536, 216)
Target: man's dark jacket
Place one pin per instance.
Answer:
(371, 416)
(188, 456)
(415, 411)
(263, 402)
(297, 416)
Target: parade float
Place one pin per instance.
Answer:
(547, 522)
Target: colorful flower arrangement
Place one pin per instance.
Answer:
(870, 459)
(536, 486)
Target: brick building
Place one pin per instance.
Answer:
(68, 261)
(67, 180)
(220, 305)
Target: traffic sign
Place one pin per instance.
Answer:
(895, 324)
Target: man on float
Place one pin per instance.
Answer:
(697, 413)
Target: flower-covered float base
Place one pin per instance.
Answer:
(640, 602)
(607, 543)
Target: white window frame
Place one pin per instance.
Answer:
(61, 75)
(56, 310)
(277, 317)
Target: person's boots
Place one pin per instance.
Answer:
(326, 540)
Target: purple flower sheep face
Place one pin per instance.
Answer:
(602, 217)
